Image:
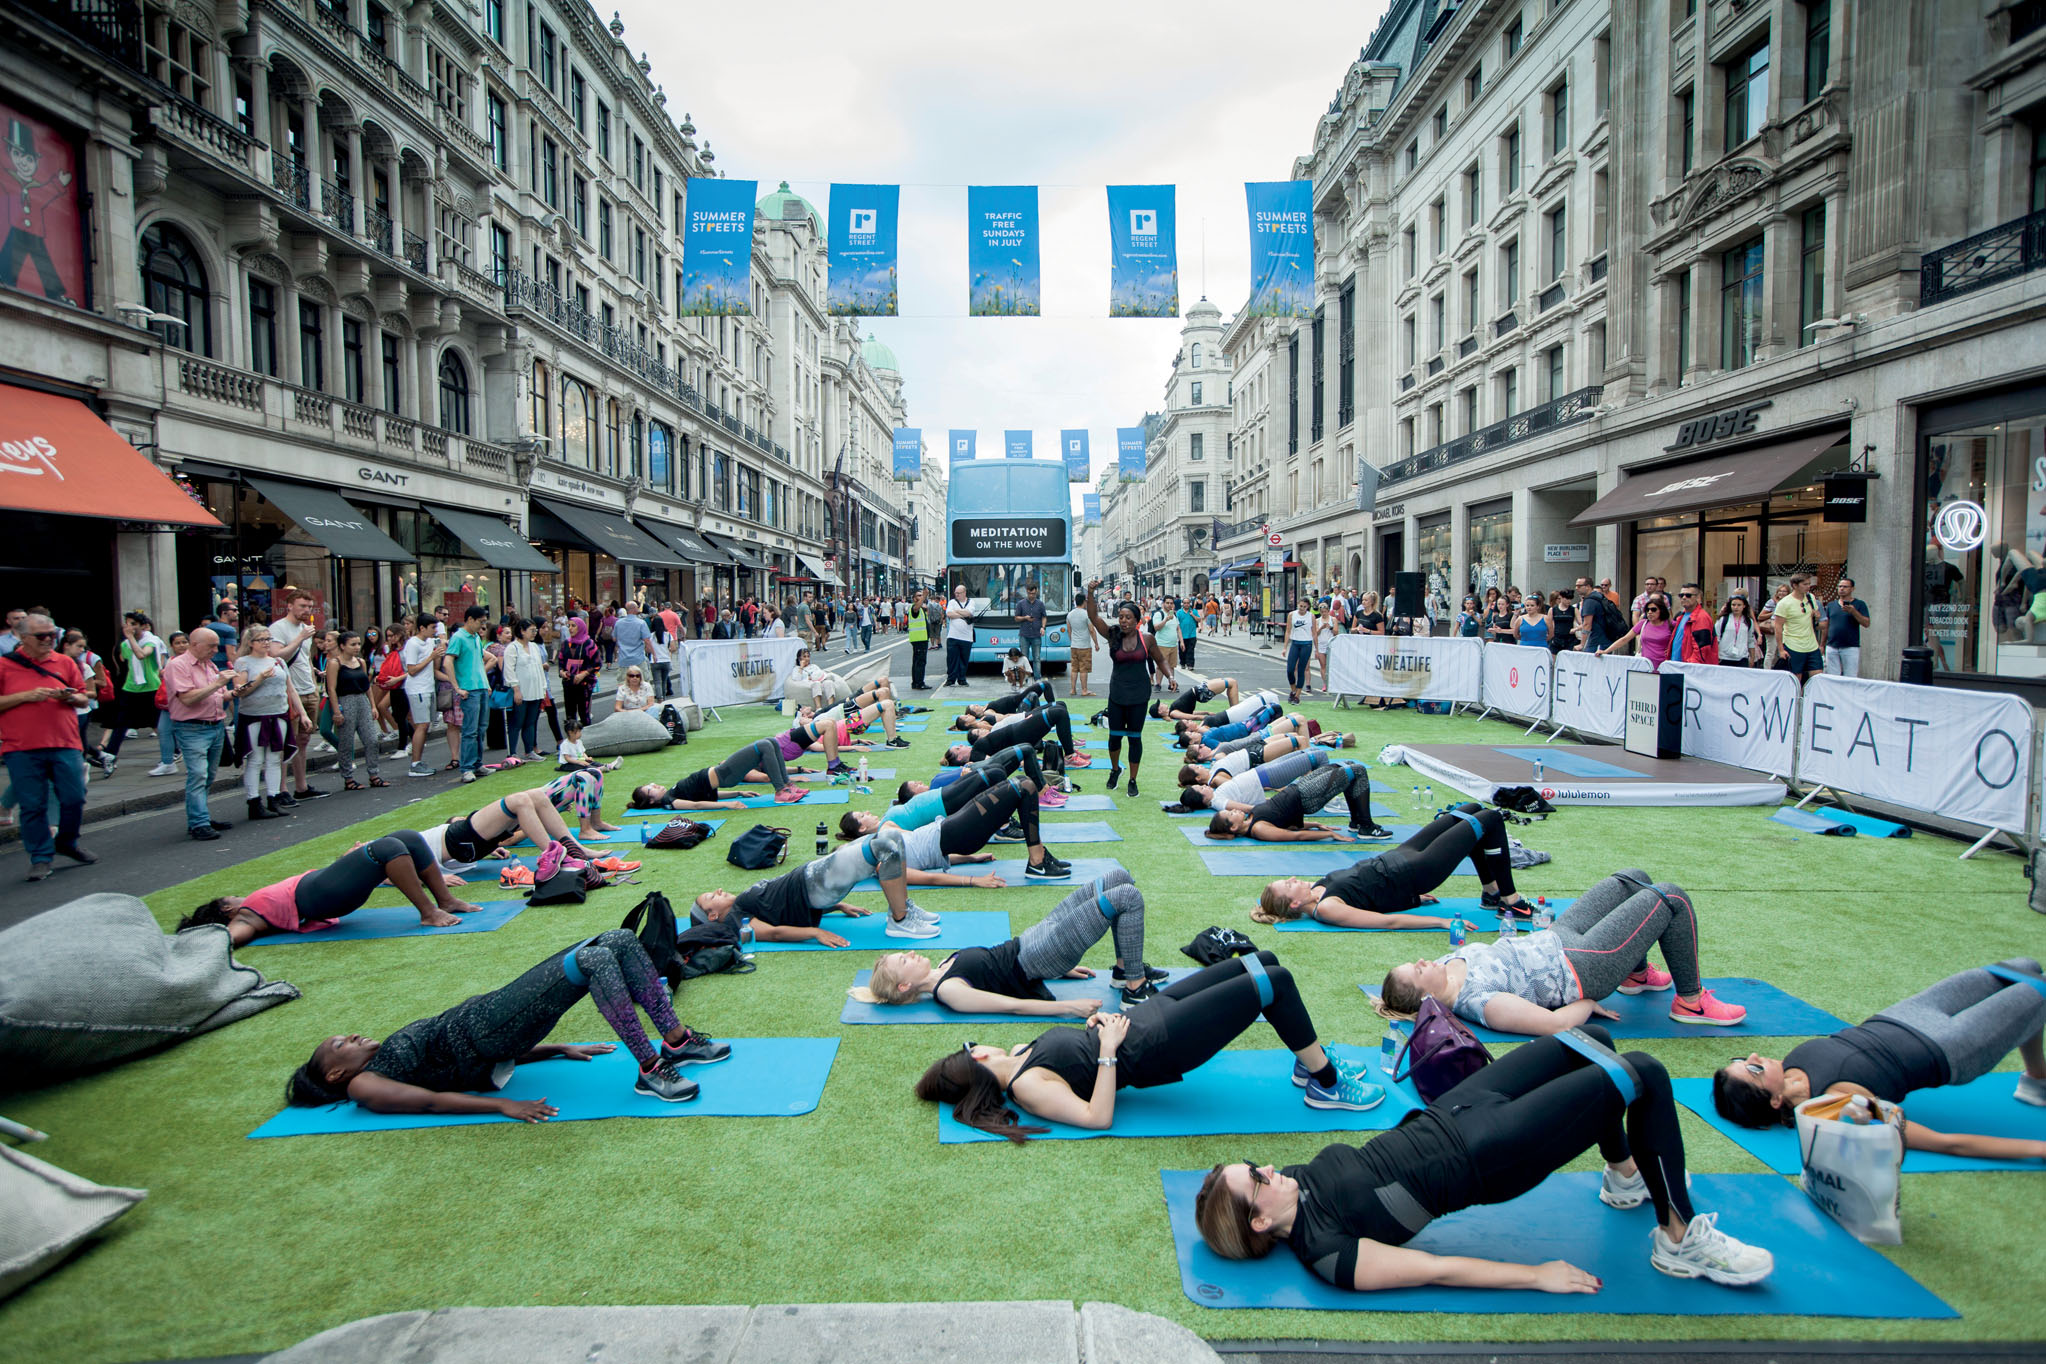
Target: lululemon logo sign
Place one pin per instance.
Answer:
(1513, 677)
(1960, 526)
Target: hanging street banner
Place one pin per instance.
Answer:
(863, 250)
(909, 453)
(1073, 447)
(1143, 244)
(1090, 509)
(657, 456)
(1281, 248)
(1018, 445)
(963, 444)
(1001, 251)
(1129, 454)
(717, 247)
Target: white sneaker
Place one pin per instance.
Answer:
(1706, 1252)
(164, 770)
(2031, 1091)
(1616, 1190)
(907, 927)
(921, 915)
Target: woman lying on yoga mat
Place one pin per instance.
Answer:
(1024, 727)
(937, 798)
(931, 847)
(1070, 1075)
(700, 790)
(1281, 817)
(838, 728)
(1240, 757)
(1376, 892)
(482, 833)
(1185, 706)
(1242, 789)
(1350, 1211)
(1948, 1034)
(1208, 748)
(1024, 698)
(1551, 981)
(1009, 979)
(313, 900)
(441, 1064)
(1269, 717)
(788, 908)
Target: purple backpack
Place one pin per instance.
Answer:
(1440, 1053)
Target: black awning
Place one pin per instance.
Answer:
(1719, 481)
(492, 541)
(611, 534)
(683, 541)
(742, 554)
(322, 514)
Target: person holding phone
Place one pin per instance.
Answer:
(40, 690)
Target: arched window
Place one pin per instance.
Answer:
(543, 417)
(454, 393)
(173, 282)
(578, 424)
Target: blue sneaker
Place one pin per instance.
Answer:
(1301, 1076)
(1350, 1092)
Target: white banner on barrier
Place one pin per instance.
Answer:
(1589, 692)
(1412, 669)
(1963, 754)
(732, 672)
(1516, 680)
(1744, 717)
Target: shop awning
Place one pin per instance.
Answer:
(67, 461)
(683, 541)
(322, 514)
(492, 541)
(742, 554)
(611, 534)
(1719, 481)
(818, 571)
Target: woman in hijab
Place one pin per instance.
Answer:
(581, 658)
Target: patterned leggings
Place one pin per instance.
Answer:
(581, 791)
(611, 968)
(1054, 944)
(621, 975)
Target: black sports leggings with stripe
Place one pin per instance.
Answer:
(1028, 730)
(991, 772)
(1190, 1020)
(982, 817)
(1542, 1105)
(1430, 857)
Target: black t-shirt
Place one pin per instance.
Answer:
(1282, 807)
(997, 970)
(1886, 1058)
(1378, 1191)
(1365, 884)
(695, 786)
(1372, 621)
(1129, 680)
(448, 1053)
(780, 900)
(1072, 1054)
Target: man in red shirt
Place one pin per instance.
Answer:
(40, 690)
(673, 621)
(198, 692)
(1694, 627)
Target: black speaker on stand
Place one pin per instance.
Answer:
(1409, 591)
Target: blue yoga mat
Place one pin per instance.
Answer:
(1334, 807)
(1085, 869)
(1821, 1270)
(634, 834)
(1198, 836)
(1985, 1106)
(1236, 1092)
(908, 727)
(1570, 764)
(1273, 860)
(928, 1010)
(1868, 825)
(1813, 822)
(815, 796)
(1079, 831)
(1465, 907)
(957, 928)
(764, 1077)
(1077, 803)
(398, 921)
(1771, 1013)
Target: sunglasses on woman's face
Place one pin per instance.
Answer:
(1257, 1176)
(1754, 1068)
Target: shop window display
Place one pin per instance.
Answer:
(1984, 588)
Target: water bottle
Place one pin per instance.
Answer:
(862, 778)
(1544, 917)
(1459, 931)
(823, 839)
(1507, 927)
(1538, 771)
(1858, 1111)
(1389, 1052)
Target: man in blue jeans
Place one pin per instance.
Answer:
(465, 668)
(1030, 629)
(198, 692)
(40, 690)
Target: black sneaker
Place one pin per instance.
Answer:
(310, 793)
(898, 742)
(1012, 832)
(1114, 777)
(1138, 993)
(696, 1050)
(1371, 831)
(663, 1083)
(76, 853)
(1050, 869)
(1492, 900)
(1133, 786)
(205, 833)
(284, 800)
(1150, 973)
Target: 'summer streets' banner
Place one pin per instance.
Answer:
(717, 247)
(1001, 251)
(1018, 445)
(1129, 454)
(1143, 245)
(1090, 509)
(1073, 448)
(909, 452)
(963, 444)
(1281, 248)
(863, 250)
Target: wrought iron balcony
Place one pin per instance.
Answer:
(1550, 296)
(337, 205)
(110, 27)
(415, 251)
(293, 181)
(1571, 407)
(1505, 325)
(2006, 251)
(376, 228)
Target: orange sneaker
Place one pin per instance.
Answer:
(1707, 1010)
(614, 864)
(513, 877)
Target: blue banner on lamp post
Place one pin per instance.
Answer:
(1143, 242)
(862, 250)
(1281, 248)
(963, 445)
(909, 453)
(717, 247)
(1018, 445)
(1129, 454)
(1073, 449)
(1001, 251)
(1090, 509)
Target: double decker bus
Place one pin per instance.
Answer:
(1008, 524)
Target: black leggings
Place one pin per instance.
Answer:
(1015, 701)
(1193, 1019)
(983, 776)
(1028, 730)
(1126, 723)
(765, 755)
(969, 830)
(1430, 857)
(343, 885)
(1542, 1105)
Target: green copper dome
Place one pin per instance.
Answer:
(879, 357)
(776, 207)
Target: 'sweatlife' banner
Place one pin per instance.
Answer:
(1589, 691)
(1090, 509)
(1517, 678)
(1129, 454)
(1073, 448)
(963, 444)
(1001, 251)
(732, 672)
(1281, 248)
(1743, 717)
(909, 453)
(1966, 755)
(717, 247)
(862, 251)
(1143, 237)
(1413, 669)
(1018, 445)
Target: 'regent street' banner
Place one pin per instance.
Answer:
(909, 453)
(963, 444)
(1590, 691)
(1413, 669)
(1281, 248)
(1090, 509)
(1966, 755)
(731, 672)
(1143, 251)
(1073, 448)
(1017, 445)
(1129, 454)
(1001, 251)
(1743, 717)
(717, 247)
(862, 251)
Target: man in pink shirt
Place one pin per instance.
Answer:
(673, 621)
(198, 694)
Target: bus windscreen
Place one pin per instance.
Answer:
(1003, 584)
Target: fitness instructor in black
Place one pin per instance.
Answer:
(1131, 654)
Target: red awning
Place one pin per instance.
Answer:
(57, 456)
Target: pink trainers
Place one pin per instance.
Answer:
(1051, 799)
(1649, 979)
(789, 795)
(1708, 1011)
(551, 858)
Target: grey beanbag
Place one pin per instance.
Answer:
(623, 732)
(47, 1211)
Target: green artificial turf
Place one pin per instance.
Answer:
(252, 1245)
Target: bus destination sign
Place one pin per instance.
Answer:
(1008, 537)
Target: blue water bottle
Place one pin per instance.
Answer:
(1389, 1052)
(1459, 931)
(1538, 771)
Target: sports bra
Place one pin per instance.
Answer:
(1072, 1054)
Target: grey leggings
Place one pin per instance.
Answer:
(765, 755)
(1348, 780)
(829, 879)
(1054, 944)
(1291, 768)
(1974, 1018)
(356, 719)
(1607, 933)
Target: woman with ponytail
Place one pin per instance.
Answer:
(313, 900)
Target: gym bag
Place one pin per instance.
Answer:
(759, 847)
(565, 887)
(653, 919)
(1439, 1053)
(1215, 943)
(1852, 1169)
(711, 947)
(681, 833)
(1523, 800)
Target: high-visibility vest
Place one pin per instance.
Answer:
(919, 626)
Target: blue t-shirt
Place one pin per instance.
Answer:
(1030, 619)
(1187, 624)
(229, 639)
(919, 810)
(1843, 631)
(630, 634)
(465, 651)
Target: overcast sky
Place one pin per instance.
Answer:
(1069, 95)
